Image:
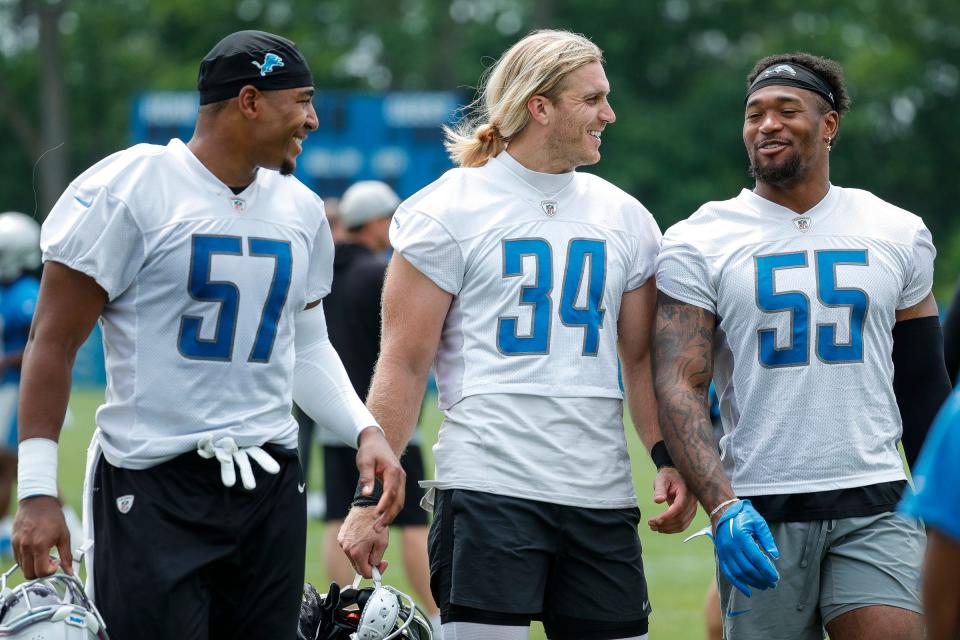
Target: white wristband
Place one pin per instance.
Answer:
(37, 468)
(717, 508)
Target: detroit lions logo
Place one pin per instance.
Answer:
(780, 68)
(270, 62)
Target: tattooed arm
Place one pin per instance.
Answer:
(683, 366)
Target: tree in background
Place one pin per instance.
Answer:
(678, 67)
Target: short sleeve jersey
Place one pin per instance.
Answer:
(536, 282)
(18, 299)
(527, 363)
(203, 286)
(805, 306)
(936, 476)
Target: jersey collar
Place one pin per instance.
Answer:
(212, 183)
(549, 184)
(768, 207)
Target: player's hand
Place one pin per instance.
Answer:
(375, 459)
(669, 487)
(744, 548)
(362, 542)
(38, 526)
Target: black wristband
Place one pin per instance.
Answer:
(660, 455)
(360, 500)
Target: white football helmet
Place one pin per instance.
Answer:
(52, 608)
(19, 244)
(380, 612)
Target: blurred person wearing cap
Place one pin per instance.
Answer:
(353, 320)
(810, 307)
(205, 264)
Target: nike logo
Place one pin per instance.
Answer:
(85, 203)
(734, 614)
(301, 486)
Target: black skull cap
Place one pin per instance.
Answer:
(267, 61)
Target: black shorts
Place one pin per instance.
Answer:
(178, 556)
(506, 561)
(340, 478)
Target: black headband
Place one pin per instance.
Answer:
(792, 74)
(262, 59)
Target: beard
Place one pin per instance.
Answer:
(785, 174)
(287, 167)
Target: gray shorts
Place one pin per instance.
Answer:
(828, 568)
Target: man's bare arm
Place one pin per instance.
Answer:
(67, 309)
(635, 330)
(414, 310)
(941, 586)
(683, 367)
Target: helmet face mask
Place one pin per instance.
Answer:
(380, 612)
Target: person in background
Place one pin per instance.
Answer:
(951, 335)
(353, 322)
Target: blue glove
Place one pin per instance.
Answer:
(744, 542)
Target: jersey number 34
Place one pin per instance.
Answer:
(574, 311)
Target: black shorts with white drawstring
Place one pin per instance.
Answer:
(179, 556)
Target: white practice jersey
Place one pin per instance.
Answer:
(527, 363)
(805, 307)
(203, 287)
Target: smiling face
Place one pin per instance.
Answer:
(785, 131)
(289, 117)
(579, 115)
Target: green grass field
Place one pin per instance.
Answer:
(677, 574)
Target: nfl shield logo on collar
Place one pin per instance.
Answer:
(239, 204)
(549, 207)
(802, 224)
(124, 504)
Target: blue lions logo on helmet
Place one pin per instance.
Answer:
(270, 62)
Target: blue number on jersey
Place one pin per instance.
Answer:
(200, 287)
(797, 303)
(590, 317)
(220, 347)
(273, 306)
(536, 295)
(833, 296)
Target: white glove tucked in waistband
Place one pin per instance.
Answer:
(226, 451)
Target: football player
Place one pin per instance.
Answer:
(810, 306)
(19, 254)
(521, 278)
(205, 264)
(936, 501)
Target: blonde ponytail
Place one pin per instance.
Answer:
(472, 147)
